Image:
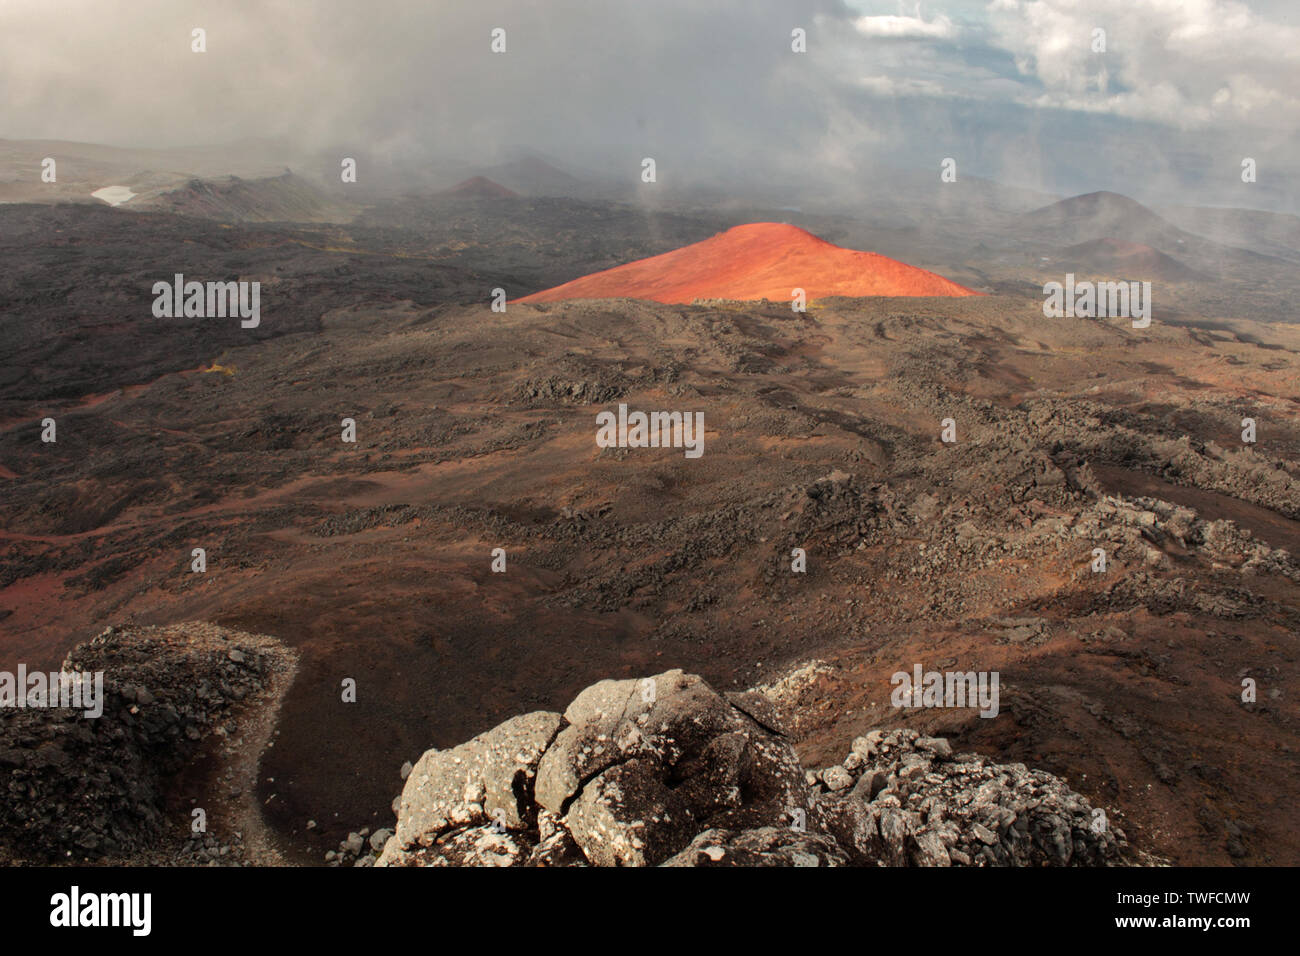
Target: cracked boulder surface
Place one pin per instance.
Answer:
(666, 771)
(484, 780)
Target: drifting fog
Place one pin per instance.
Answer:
(1011, 89)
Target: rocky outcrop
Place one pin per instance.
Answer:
(901, 799)
(667, 771)
(85, 788)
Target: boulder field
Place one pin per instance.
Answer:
(667, 771)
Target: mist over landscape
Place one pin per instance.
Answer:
(1015, 89)
(636, 434)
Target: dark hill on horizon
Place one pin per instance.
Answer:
(284, 198)
(1127, 260)
(482, 187)
(1102, 215)
(1097, 216)
(533, 176)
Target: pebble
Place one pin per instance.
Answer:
(837, 778)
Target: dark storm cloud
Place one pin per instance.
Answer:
(685, 77)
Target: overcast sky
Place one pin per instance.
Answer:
(1010, 88)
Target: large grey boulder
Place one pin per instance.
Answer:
(643, 766)
(485, 781)
(853, 823)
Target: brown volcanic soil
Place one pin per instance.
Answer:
(476, 430)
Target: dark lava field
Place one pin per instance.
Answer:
(475, 431)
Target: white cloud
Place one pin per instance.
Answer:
(1168, 61)
(940, 28)
(901, 86)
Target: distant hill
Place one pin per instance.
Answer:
(1118, 219)
(1269, 233)
(1122, 259)
(283, 198)
(533, 176)
(482, 187)
(1103, 215)
(84, 168)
